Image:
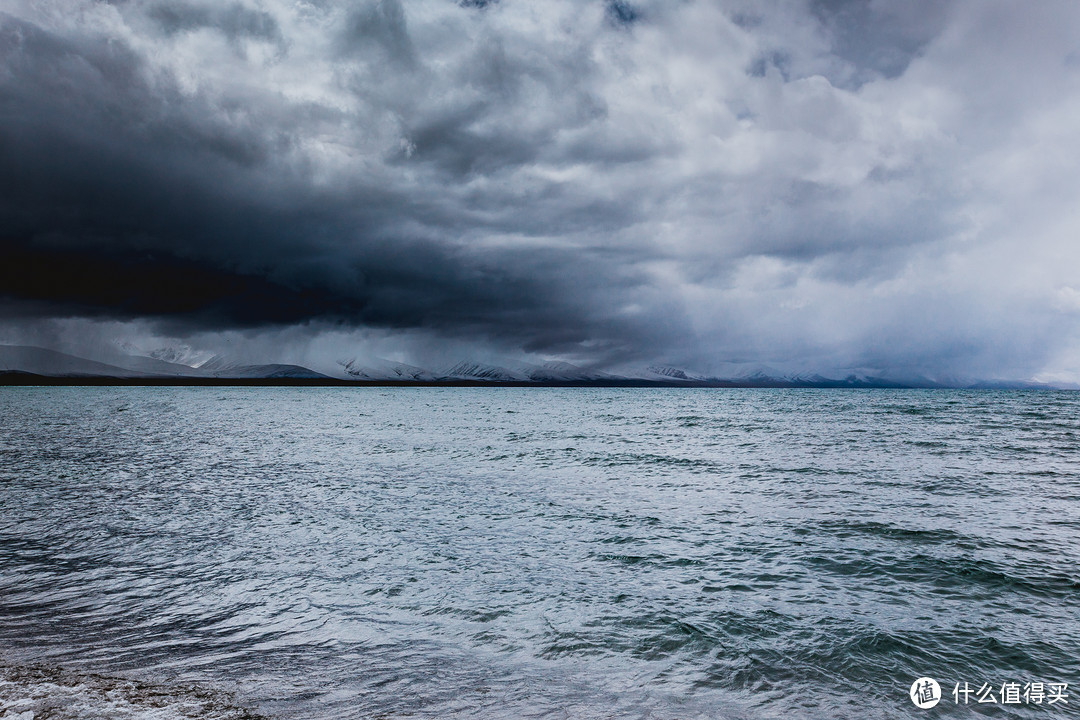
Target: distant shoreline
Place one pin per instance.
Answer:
(25, 379)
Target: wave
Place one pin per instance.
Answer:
(46, 691)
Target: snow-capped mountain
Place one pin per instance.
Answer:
(181, 355)
(222, 367)
(466, 370)
(666, 373)
(557, 371)
(550, 372)
(384, 370)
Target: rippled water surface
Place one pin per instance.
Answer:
(506, 553)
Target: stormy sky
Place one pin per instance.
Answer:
(810, 185)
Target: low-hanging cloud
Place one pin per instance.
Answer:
(822, 185)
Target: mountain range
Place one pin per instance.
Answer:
(27, 365)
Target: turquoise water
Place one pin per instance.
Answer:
(509, 553)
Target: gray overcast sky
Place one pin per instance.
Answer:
(813, 185)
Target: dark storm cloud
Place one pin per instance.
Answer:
(607, 181)
(122, 197)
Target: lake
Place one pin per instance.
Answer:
(536, 552)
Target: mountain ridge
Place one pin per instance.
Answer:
(27, 364)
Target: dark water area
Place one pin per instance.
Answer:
(535, 553)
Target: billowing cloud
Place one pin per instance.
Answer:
(831, 184)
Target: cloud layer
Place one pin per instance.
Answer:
(829, 184)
